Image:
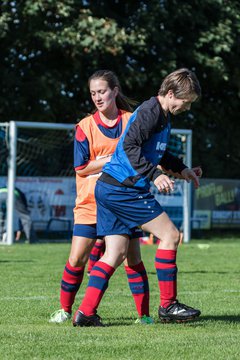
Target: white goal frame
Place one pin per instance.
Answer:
(13, 133)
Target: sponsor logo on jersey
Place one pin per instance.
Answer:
(161, 146)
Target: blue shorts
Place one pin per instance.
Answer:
(90, 231)
(120, 209)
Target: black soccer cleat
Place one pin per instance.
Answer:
(80, 319)
(178, 313)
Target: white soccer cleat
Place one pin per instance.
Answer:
(59, 317)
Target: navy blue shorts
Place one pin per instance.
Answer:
(120, 209)
(90, 231)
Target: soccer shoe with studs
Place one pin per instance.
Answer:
(80, 319)
(145, 320)
(59, 317)
(177, 312)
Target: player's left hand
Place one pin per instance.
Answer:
(198, 171)
(192, 174)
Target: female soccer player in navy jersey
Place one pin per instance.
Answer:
(95, 141)
(123, 197)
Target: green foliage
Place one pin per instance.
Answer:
(49, 49)
(30, 292)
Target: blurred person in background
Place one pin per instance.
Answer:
(21, 207)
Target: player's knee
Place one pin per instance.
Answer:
(78, 261)
(121, 257)
(132, 260)
(177, 237)
(172, 237)
(115, 258)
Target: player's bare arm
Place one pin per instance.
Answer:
(94, 166)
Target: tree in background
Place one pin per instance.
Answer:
(49, 49)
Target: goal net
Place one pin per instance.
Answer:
(37, 158)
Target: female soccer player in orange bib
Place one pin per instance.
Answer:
(96, 138)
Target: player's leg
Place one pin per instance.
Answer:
(96, 253)
(26, 224)
(115, 253)
(3, 213)
(18, 235)
(74, 270)
(25, 216)
(165, 263)
(19, 230)
(138, 281)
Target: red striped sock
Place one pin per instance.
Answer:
(71, 281)
(138, 283)
(97, 285)
(96, 253)
(165, 263)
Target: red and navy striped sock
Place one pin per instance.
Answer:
(71, 281)
(165, 263)
(138, 283)
(97, 285)
(96, 253)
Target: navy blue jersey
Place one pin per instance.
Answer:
(142, 148)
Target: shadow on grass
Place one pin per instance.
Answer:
(209, 272)
(202, 320)
(231, 319)
(128, 321)
(224, 318)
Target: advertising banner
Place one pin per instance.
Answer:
(218, 202)
(48, 198)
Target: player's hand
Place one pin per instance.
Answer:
(198, 171)
(163, 183)
(190, 175)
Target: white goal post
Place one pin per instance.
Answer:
(187, 193)
(13, 127)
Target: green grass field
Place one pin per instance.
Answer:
(208, 279)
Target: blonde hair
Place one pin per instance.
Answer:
(183, 82)
(122, 101)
